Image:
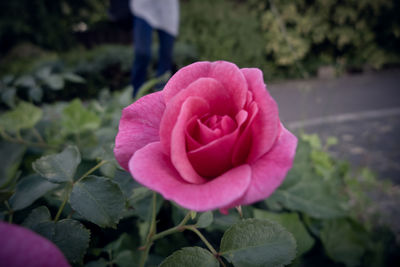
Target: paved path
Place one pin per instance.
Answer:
(362, 111)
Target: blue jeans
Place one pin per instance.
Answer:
(142, 36)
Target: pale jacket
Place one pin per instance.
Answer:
(160, 14)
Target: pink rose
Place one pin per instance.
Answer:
(20, 247)
(211, 139)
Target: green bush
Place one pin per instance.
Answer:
(59, 171)
(46, 23)
(293, 38)
(223, 30)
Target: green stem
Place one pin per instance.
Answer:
(19, 140)
(152, 232)
(101, 163)
(10, 217)
(78, 139)
(197, 232)
(178, 228)
(38, 135)
(19, 137)
(152, 236)
(66, 197)
(10, 211)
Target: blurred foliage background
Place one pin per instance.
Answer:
(286, 39)
(58, 51)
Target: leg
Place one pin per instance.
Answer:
(165, 52)
(142, 35)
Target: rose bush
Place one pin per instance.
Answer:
(20, 247)
(212, 138)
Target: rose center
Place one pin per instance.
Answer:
(209, 128)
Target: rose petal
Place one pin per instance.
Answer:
(227, 125)
(203, 133)
(269, 171)
(139, 125)
(225, 72)
(266, 125)
(20, 247)
(245, 141)
(214, 158)
(193, 106)
(210, 90)
(153, 169)
(185, 76)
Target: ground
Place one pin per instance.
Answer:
(362, 111)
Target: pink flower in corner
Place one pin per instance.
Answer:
(20, 247)
(212, 139)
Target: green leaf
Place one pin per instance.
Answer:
(35, 93)
(72, 238)
(29, 189)
(124, 242)
(39, 215)
(7, 79)
(293, 224)
(5, 195)
(125, 258)
(99, 263)
(125, 182)
(59, 168)
(25, 81)
(8, 96)
(54, 81)
(10, 157)
(45, 228)
(255, 242)
(142, 200)
(313, 140)
(72, 77)
(344, 241)
(312, 197)
(305, 191)
(43, 73)
(69, 235)
(205, 219)
(190, 256)
(77, 119)
(24, 116)
(98, 200)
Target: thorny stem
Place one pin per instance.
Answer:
(38, 136)
(178, 228)
(69, 188)
(197, 232)
(152, 232)
(152, 236)
(66, 197)
(10, 211)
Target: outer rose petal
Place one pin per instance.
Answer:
(139, 125)
(152, 168)
(225, 72)
(266, 125)
(20, 247)
(179, 158)
(269, 171)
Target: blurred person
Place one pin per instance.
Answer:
(149, 15)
